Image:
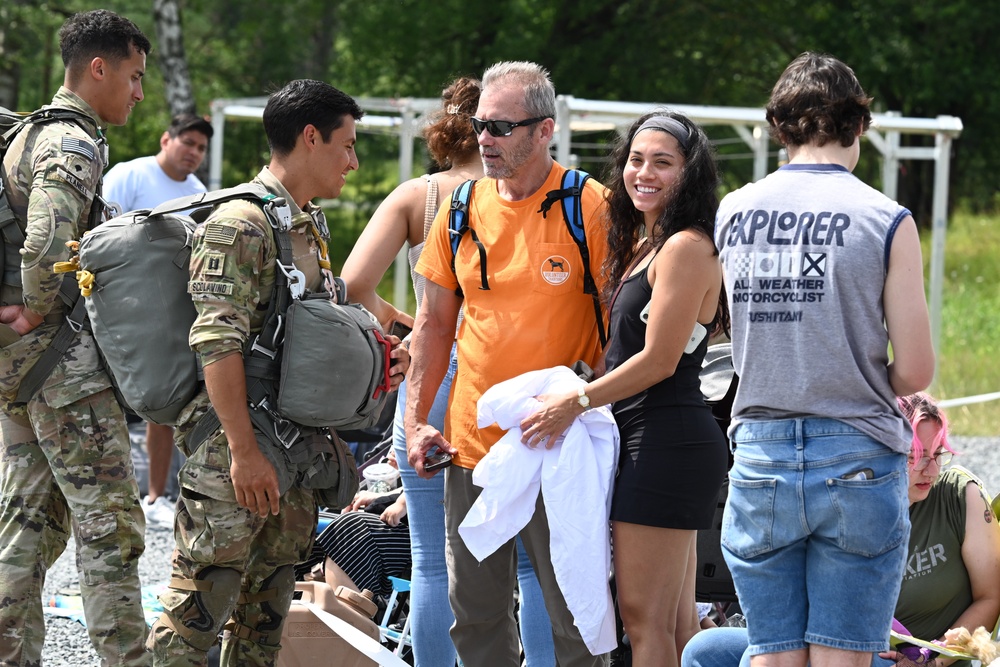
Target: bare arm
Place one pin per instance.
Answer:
(981, 555)
(430, 347)
(391, 226)
(686, 278)
(906, 318)
(254, 478)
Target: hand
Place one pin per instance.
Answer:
(400, 354)
(20, 318)
(362, 499)
(420, 439)
(255, 482)
(394, 512)
(902, 661)
(548, 423)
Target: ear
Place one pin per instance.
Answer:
(311, 136)
(164, 138)
(548, 127)
(98, 68)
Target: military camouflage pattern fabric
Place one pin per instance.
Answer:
(232, 270)
(247, 558)
(76, 473)
(53, 170)
(232, 565)
(72, 469)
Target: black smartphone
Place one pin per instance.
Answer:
(437, 462)
(864, 473)
(399, 330)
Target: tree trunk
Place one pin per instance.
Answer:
(172, 59)
(173, 64)
(10, 74)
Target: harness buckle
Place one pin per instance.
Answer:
(296, 280)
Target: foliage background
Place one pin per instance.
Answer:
(918, 57)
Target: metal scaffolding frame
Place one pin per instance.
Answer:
(407, 115)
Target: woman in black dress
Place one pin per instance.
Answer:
(666, 280)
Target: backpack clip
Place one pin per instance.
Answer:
(285, 431)
(296, 280)
(279, 210)
(552, 196)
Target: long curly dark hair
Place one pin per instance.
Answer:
(449, 134)
(693, 205)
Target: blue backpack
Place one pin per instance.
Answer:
(573, 181)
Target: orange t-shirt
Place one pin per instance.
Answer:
(535, 314)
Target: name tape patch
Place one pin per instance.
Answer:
(206, 287)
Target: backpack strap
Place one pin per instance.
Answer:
(430, 204)
(74, 322)
(458, 225)
(570, 196)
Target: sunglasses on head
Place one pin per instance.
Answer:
(502, 128)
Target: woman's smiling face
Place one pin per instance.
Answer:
(654, 166)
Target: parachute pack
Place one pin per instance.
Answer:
(328, 360)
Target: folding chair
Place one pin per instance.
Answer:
(402, 637)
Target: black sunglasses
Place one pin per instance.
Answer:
(502, 128)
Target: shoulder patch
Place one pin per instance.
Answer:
(64, 174)
(216, 232)
(80, 147)
(215, 262)
(205, 287)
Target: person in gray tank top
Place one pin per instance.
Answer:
(823, 275)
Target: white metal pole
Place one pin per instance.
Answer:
(401, 276)
(939, 208)
(215, 155)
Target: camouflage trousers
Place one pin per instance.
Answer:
(71, 472)
(232, 569)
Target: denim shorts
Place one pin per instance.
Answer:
(815, 534)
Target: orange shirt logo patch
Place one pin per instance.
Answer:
(555, 269)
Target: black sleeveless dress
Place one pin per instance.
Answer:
(673, 453)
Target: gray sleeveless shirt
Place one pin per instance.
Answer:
(805, 252)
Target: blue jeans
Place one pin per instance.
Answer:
(727, 647)
(430, 611)
(816, 553)
(717, 647)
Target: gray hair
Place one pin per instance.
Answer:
(539, 93)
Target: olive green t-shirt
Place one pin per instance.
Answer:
(936, 589)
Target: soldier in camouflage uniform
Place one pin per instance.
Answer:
(238, 535)
(66, 461)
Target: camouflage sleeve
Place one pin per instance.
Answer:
(65, 172)
(232, 276)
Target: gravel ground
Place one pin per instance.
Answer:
(67, 643)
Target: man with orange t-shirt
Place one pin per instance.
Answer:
(521, 315)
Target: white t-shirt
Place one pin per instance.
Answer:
(142, 183)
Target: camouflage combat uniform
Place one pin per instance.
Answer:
(231, 563)
(66, 458)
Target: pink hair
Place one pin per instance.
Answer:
(917, 408)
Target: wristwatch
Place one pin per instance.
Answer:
(583, 399)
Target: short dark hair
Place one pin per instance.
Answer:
(305, 102)
(184, 122)
(817, 99)
(99, 33)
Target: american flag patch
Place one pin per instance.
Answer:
(222, 234)
(79, 146)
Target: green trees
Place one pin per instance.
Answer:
(919, 57)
